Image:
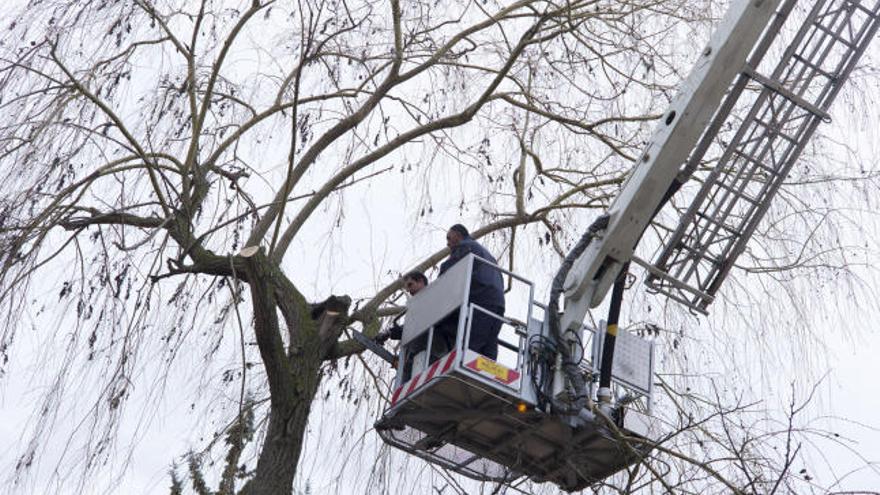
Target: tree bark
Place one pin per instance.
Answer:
(293, 377)
(282, 447)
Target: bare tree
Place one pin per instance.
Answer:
(164, 162)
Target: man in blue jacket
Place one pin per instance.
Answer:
(487, 291)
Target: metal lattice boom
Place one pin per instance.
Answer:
(793, 100)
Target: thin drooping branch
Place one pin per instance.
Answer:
(588, 128)
(135, 144)
(305, 49)
(229, 40)
(444, 123)
(343, 126)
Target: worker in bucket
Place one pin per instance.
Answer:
(486, 291)
(413, 282)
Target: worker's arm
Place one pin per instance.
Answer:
(394, 332)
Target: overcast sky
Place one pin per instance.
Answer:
(848, 366)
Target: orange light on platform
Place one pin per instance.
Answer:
(522, 407)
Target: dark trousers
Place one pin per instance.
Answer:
(484, 333)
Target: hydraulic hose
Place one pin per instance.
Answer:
(569, 364)
(616, 301)
(611, 332)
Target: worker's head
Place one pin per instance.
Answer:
(414, 281)
(456, 234)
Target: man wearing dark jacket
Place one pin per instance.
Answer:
(413, 282)
(487, 291)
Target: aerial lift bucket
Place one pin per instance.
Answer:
(483, 418)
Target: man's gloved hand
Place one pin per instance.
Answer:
(381, 337)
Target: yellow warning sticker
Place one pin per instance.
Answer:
(498, 371)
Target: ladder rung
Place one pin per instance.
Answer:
(721, 224)
(815, 68)
(738, 193)
(757, 163)
(701, 247)
(857, 4)
(659, 274)
(773, 131)
(778, 88)
(700, 254)
(834, 36)
(667, 289)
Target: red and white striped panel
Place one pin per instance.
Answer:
(439, 367)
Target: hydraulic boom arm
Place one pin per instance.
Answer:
(658, 169)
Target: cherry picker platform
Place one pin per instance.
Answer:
(486, 418)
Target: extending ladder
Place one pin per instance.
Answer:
(713, 231)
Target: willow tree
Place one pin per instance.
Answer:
(170, 167)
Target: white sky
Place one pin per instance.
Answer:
(849, 390)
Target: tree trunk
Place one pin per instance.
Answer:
(282, 447)
(293, 377)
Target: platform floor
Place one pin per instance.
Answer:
(462, 424)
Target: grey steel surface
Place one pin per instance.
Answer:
(437, 300)
(737, 192)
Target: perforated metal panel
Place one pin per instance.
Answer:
(633, 361)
